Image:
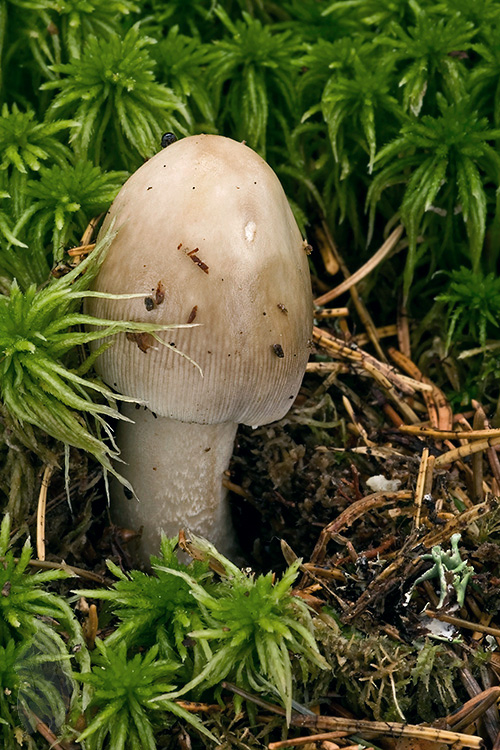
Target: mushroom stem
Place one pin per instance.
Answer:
(176, 470)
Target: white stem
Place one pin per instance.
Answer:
(176, 470)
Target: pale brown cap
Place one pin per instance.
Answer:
(205, 232)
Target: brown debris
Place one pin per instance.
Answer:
(367, 729)
(351, 514)
(192, 314)
(366, 550)
(192, 254)
(143, 340)
(364, 415)
(159, 293)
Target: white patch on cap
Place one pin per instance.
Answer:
(250, 230)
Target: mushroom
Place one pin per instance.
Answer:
(205, 232)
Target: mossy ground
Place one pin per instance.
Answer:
(375, 115)
(304, 488)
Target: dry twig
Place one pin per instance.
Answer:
(420, 488)
(458, 622)
(90, 626)
(298, 741)
(338, 348)
(472, 710)
(423, 431)
(440, 413)
(332, 312)
(465, 450)
(351, 514)
(365, 728)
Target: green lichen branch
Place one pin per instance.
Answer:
(447, 564)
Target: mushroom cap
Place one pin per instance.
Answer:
(205, 232)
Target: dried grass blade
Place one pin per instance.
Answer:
(450, 434)
(419, 490)
(338, 348)
(459, 622)
(351, 514)
(473, 709)
(40, 513)
(308, 739)
(440, 413)
(363, 313)
(367, 268)
(332, 312)
(465, 450)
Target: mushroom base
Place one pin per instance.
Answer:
(176, 470)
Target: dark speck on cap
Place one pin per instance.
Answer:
(167, 139)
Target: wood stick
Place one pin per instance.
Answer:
(491, 452)
(363, 726)
(429, 475)
(383, 332)
(351, 514)
(358, 426)
(415, 429)
(465, 450)
(460, 623)
(298, 741)
(339, 348)
(75, 572)
(332, 312)
(473, 709)
(198, 708)
(90, 627)
(403, 331)
(322, 368)
(440, 414)
(81, 250)
(477, 458)
(390, 391)
(419, 491)
(457, 523)
(42, 728)
(388, 729)
(89, 231)
(328, 252)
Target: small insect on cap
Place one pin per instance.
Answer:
(205, 232)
